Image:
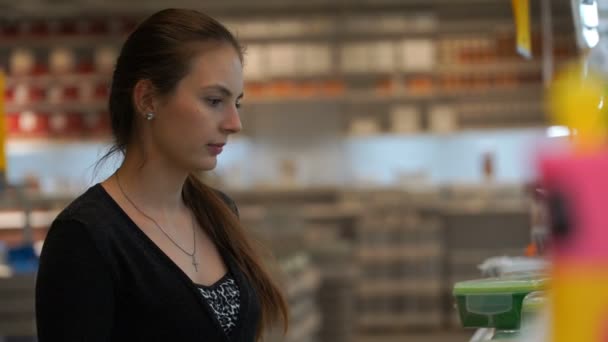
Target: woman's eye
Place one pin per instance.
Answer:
(238, 104)
(214, 102)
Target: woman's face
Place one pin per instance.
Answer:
(192, 124)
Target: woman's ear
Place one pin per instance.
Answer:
(143, 97)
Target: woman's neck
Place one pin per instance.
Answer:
(152, 183)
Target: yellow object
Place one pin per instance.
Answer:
(521, 12)
(579, 299)
(2, 126)
(577, 100)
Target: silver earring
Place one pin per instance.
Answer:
(149, 116)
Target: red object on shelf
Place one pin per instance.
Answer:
(32, 125)
(282, 88)
(255, 89)
(307, 89)
(101, 90)
(334, 88)
(9, 94)
(37, 93)
(66, 124)
(385, 86)
(96, 124)
(9, 30)
(70, 93)
(39, 28)
(12, 124)
(85, 67)
(67, 27)
(98, 26)
(40, 69)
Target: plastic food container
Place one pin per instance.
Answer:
(495, 302)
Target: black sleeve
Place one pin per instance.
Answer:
(74, 287)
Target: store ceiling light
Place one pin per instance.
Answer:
(591, 36)
(586, 20)
(589, 13)
(558, 131)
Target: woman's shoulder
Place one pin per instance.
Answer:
(93, 213)
(87, 207)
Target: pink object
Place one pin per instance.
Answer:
(581, 183)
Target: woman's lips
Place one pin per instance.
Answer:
(215, 149)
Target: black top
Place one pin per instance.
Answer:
(103, 279)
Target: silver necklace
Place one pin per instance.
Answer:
(190, 254)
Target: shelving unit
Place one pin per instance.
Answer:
(399, 254)
(386, 56)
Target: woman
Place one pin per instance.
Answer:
(151, 253)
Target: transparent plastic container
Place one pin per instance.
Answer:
(495, 302)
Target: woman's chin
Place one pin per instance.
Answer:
(206, 164)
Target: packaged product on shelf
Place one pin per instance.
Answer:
(102, 91)
(254, 67)
(382, 53)
(354, 57)
(418, 55)
(105, 57)
(364, 126)
(21, 94)
(9, 29)
(61, 61)
(419, 84)
(442, 119)
(55, 94)
(32, 124)
(66, 124)
(22, 62)
(405, 119)
(71, 92)
(281, 59)
(96, 124)
(314, 59)
(58, 122)
(86, 91)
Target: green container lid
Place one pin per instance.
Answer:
(506, 285)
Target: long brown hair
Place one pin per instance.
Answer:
(160, 50)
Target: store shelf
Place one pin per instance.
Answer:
(490, 67)
(391, 287)
(306, 281)
(72, 41)
(46, 80)
(340, 36)
(396, 321)
(50, 108)
(389, 253)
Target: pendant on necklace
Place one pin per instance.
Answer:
(194, 263)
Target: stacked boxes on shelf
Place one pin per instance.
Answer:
(399, 253)
(301, 287)
(17, 309)
(336, 298)
(296, 273)
(330, 235)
